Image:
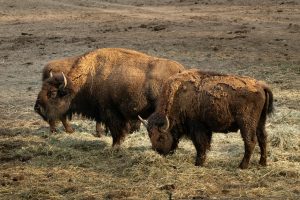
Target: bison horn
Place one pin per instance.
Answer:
(65, 80)
(166, 125)
(51, 75)
(143, 121)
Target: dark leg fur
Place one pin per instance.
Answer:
(134, 125)
(261, 131)
(100, 129)
(67, 126)
(118, 127)
(52, 126)
(201, 138)
(249, 137)
(119, 133)
(262, 140)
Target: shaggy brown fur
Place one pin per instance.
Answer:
(56, 67)
(198, 103)
(113, 86)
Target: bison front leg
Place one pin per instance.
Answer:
(119, 132)
(67, 126)
(201, 138)
(52, 124)
(134, 125)
(100, 129)
(118, 127)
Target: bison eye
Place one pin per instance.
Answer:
(52, 94)
(62, 93)
(160, 138)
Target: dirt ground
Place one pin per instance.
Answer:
(255, 38)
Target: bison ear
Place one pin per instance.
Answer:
(145, 122)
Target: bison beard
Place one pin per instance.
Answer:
(199, 103)
(112, 86)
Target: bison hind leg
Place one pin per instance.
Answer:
(262, 138)
(262, 141)
(249, 137)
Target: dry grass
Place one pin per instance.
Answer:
(261, 41)
(38, 165)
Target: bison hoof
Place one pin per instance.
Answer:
(98, 134)
(199, 163)
(243, 166)
(263, 162)
(53, 130)
(69, 130)
(200, 159)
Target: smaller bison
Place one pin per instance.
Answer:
(196, 103)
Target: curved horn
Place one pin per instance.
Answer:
(50, 73)
(166, 125)
(143, 121)
(65, 80)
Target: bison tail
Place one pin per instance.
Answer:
(269, 107)
(269, 101)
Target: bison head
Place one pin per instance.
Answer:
(159, 133)
(55, 97)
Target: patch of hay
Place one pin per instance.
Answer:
(36, 164)
(284, 129)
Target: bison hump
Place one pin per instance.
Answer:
(218, 86)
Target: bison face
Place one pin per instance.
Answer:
(55, 98)
(159, 133)
(162, 142)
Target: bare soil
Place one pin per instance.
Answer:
(254, 38)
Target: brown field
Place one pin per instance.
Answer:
(256, 38)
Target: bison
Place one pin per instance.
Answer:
(196, 103)
(110, 85)
(55, 67)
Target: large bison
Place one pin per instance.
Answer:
(55, 67)
(110, 85)
(196, 103)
